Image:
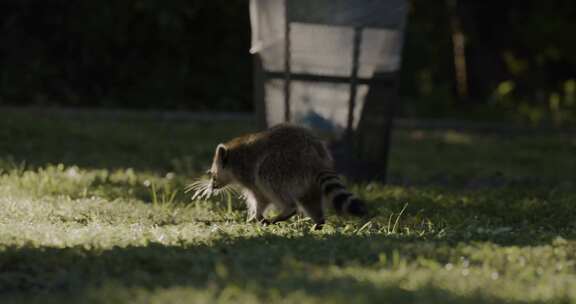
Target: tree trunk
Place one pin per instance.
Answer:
(459, 51)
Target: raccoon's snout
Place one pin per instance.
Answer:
(215, 185)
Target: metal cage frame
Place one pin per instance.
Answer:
(352, 152)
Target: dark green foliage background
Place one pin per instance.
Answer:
(135, 53)
(193, 55)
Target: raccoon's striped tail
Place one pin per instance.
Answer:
(342, 200)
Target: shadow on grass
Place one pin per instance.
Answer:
(146, 143)
(264, 266)
(139, 142)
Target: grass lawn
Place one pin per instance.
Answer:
(92, 210)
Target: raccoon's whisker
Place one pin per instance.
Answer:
(201, 188)
(231, 189)
(206, 193)
(202, 191)
(233, 192)
(191, 189)
(196, 182)
(196, 195)
(196, 185)
(222, 191)
(222, 194)
(193, 186)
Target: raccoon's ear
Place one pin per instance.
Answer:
(222, 153)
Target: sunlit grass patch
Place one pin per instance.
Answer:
(100, 214)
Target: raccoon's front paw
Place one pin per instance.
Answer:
(265, 222)
(318, 226)
(256, 219)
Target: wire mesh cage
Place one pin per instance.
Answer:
(330, 65)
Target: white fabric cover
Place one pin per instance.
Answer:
(321, 36)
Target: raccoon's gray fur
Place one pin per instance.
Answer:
(285, 166)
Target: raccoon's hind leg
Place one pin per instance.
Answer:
(286, 205)
(285, 214)
(311, 202)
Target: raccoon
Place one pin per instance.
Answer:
(286, 167)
